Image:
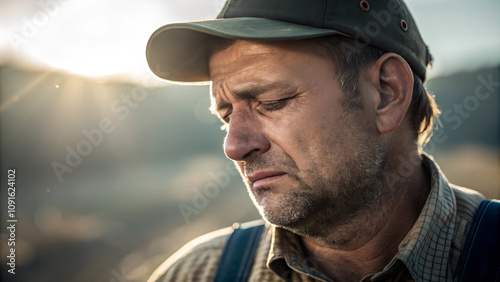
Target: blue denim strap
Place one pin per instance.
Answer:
(237, 259)
(480, 257)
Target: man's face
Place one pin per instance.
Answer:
(305, 160)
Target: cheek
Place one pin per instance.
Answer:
(326, 145)
(301, 140)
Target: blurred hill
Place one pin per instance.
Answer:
(467, 142)
(469, 103)
(120, 210)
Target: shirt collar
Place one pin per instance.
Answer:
(430, 237)
(432, 234)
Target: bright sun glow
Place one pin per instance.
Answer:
(91, 38)
(95, 47)
(99, 64)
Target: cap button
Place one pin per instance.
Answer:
(364, 5)
(404, 25)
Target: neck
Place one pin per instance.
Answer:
(375, 233)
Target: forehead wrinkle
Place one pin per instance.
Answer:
(224, 66)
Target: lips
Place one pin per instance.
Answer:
(262, 179)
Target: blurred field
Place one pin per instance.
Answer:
(473, 167)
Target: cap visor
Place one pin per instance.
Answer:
(179, 52)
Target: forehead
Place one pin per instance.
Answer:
(246, 64)
(245, 51)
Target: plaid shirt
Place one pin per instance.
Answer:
(429, 252)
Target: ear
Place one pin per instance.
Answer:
(395, 89)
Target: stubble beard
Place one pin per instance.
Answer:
(326, 208)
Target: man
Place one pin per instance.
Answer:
(325, 115)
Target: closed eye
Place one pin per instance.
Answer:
(226, 118)
(267, 106)
(274, 105)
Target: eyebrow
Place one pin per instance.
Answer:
(247, 93)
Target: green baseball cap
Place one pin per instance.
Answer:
(179, 52)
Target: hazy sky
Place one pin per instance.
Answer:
(108, 37)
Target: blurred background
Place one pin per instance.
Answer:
(116, 169)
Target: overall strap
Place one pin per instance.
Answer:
(237, 259)
(480, 258)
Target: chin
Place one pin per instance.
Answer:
(282, 212)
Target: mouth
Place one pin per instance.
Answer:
(261, 179)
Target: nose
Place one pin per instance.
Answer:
(244, 137)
